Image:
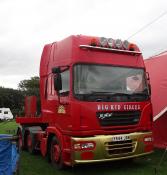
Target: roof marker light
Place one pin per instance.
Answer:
(103, 41)
(118, 43)
(93, 42)
(111, 42)
(132, 47)
(126, 44)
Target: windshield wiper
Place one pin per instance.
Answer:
(140, 93)
(118, 93)
(100, 92)
(109, 93)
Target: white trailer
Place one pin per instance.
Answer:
(5, 114)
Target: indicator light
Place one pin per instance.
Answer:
(93, 42)
(132, 47)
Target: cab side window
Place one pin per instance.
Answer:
(65, 76)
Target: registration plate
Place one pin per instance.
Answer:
(120, 138)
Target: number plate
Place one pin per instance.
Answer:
(120, 138)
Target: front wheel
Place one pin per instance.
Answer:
(56, 153)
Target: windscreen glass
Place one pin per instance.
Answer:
(111, 81)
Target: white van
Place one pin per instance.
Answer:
(5, 114)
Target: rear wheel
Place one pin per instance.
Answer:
(20, 140)
(56, 153)
(30, 145)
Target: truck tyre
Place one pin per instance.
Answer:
(30, 145)
(56, 154)
(20, 140)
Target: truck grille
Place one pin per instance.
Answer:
(120, 147)
(121, 118)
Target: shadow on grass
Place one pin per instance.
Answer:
(39, 165)
(117, 168)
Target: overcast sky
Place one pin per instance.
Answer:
(27, 25)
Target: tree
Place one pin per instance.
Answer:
(11, 98)
(14, 99)
(30, 87)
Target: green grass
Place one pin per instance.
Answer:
(8, 127)
(37, 165)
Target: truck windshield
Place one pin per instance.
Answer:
(109, 83)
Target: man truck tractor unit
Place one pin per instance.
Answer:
(95, 103)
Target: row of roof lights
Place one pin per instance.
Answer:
(111, 43)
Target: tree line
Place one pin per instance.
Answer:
(14, 98)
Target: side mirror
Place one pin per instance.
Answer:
(148, 79)
(147, 76)
(149, 87)
(58, 82)
(56, 70)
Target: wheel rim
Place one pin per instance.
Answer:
(56, 153)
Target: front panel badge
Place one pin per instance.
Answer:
(61, 110)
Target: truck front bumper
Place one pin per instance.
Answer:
(103, 148)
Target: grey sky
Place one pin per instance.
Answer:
(26, 26)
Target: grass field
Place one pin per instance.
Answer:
(37, 165)
(8, 127)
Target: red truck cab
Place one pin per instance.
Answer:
(95, 103)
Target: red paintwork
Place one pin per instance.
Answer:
(80, 117)
(30, 106)
(87, 155)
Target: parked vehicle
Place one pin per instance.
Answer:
(95, 103)
(5, 114)
(156, 66)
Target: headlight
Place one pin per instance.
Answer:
(84, 146)
(148, 139)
